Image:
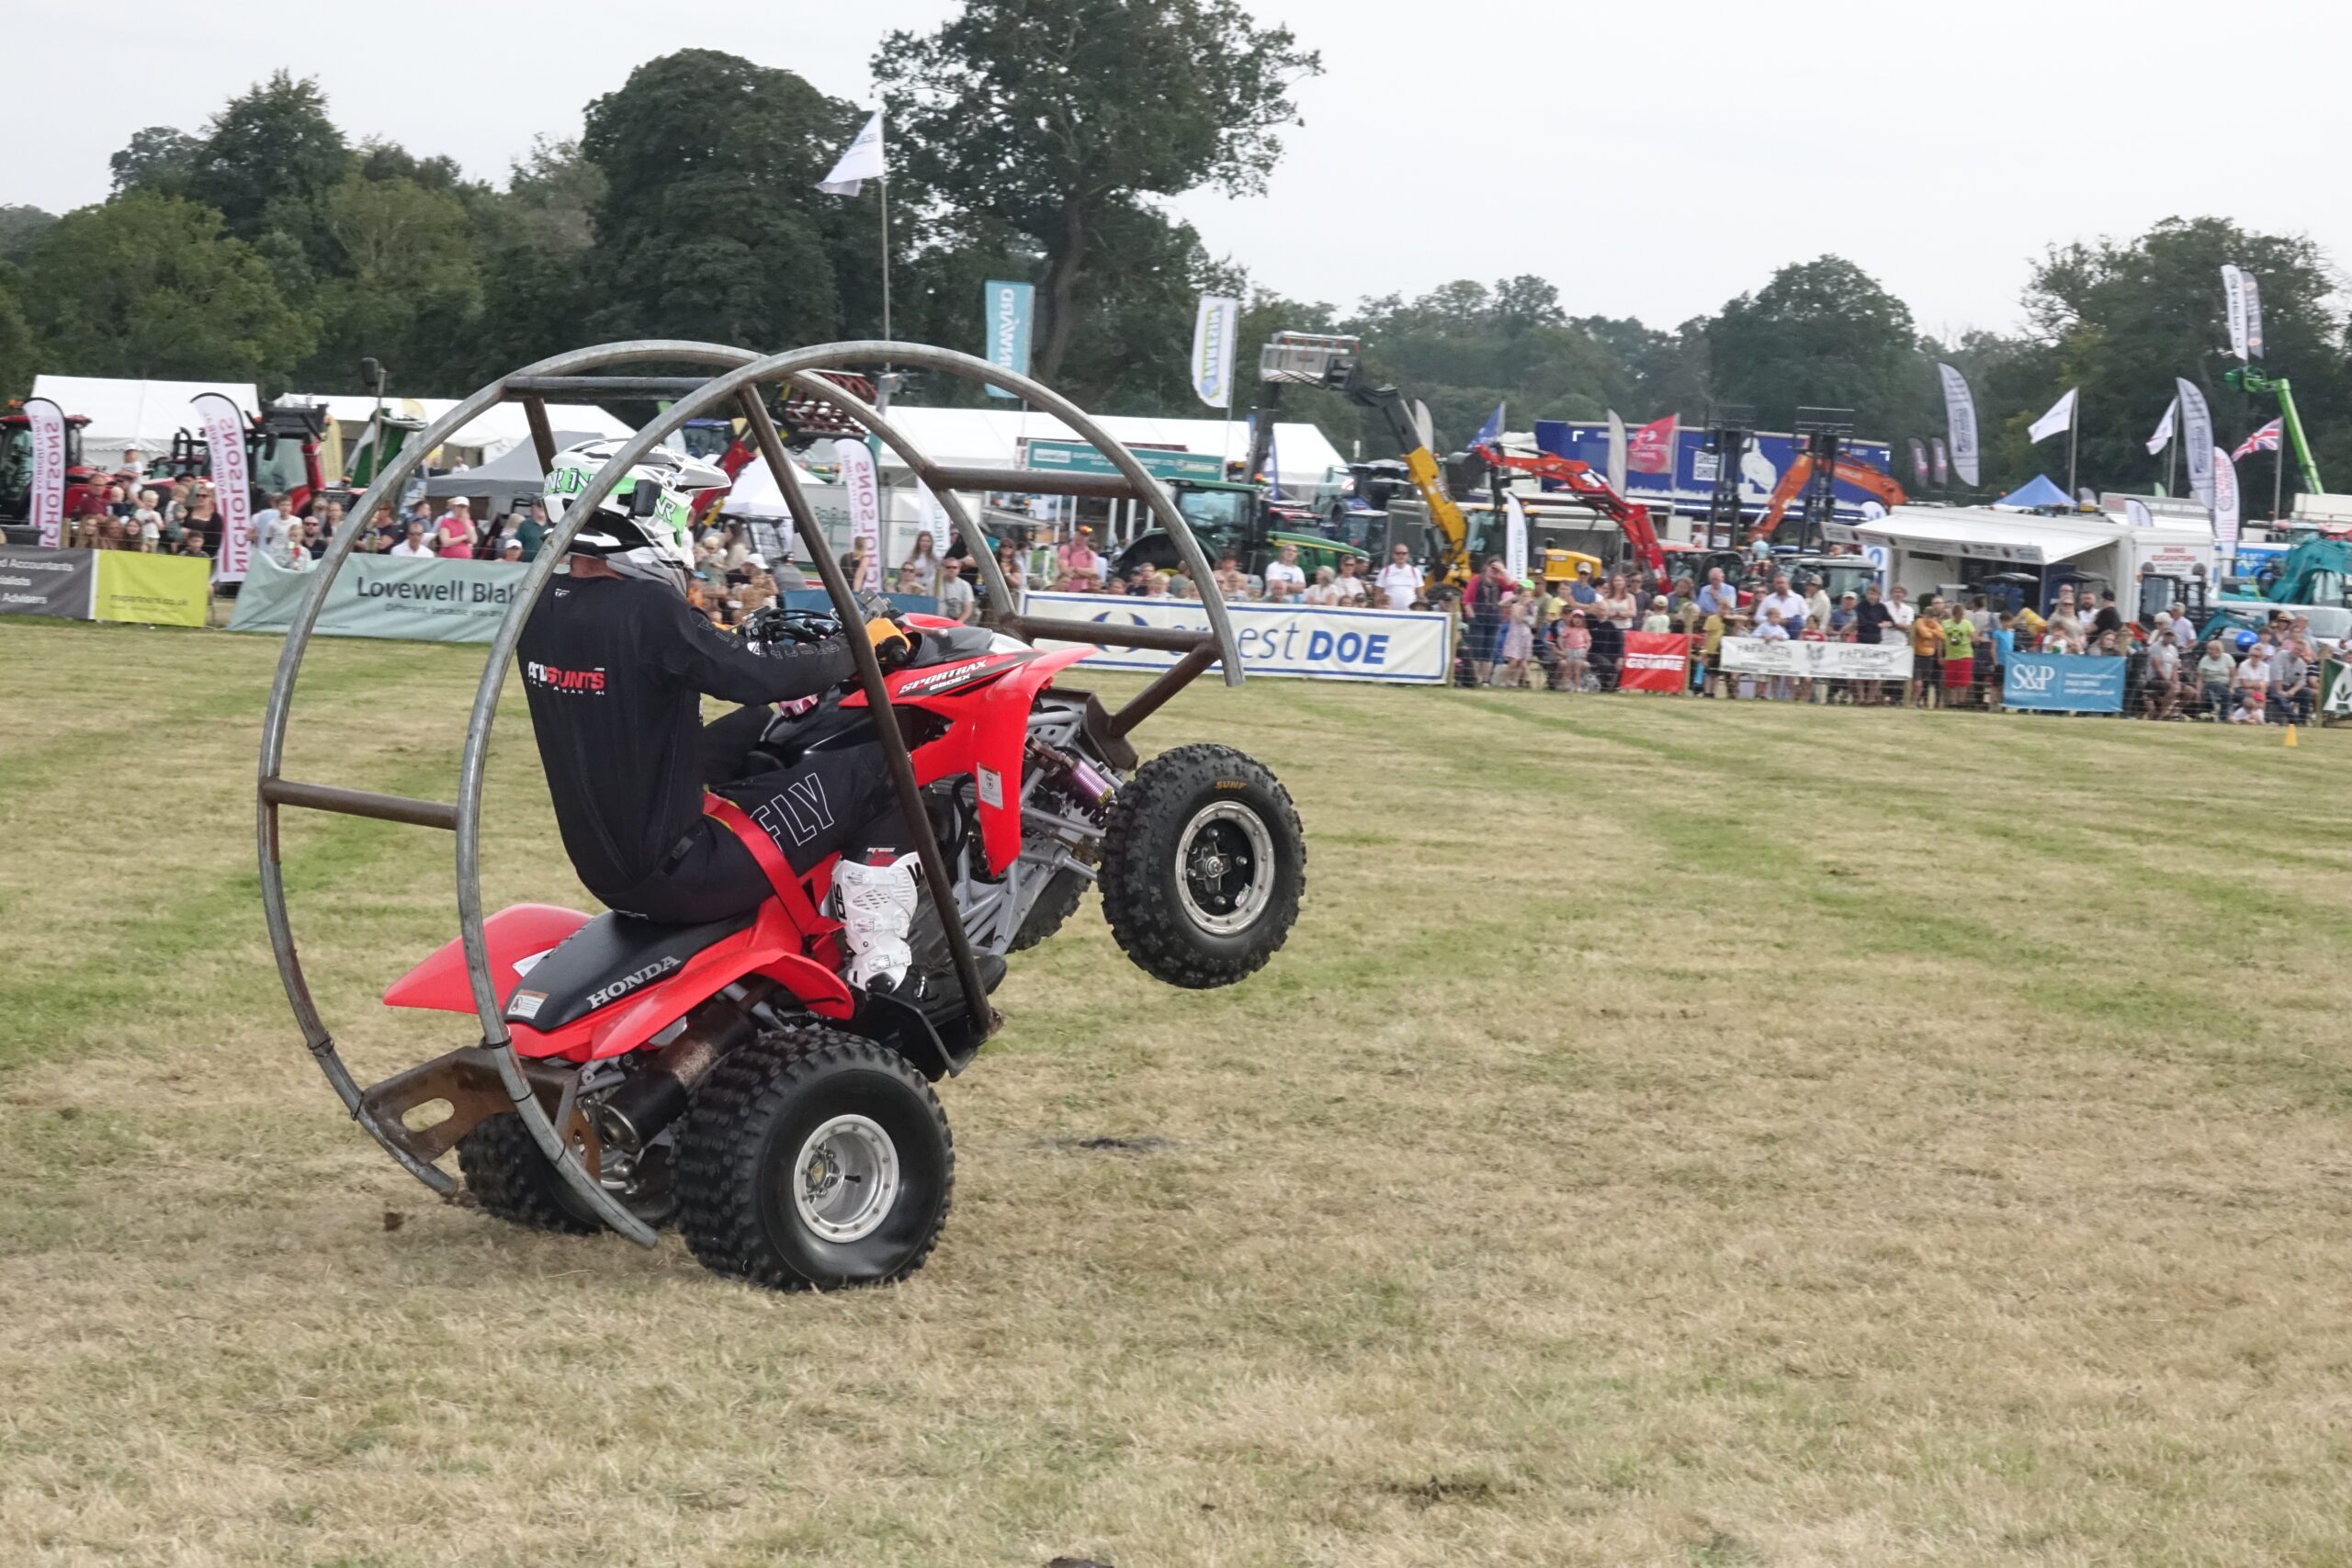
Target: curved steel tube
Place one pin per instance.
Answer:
(741, 370)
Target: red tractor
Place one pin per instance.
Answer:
(83, 487)
(281, 453)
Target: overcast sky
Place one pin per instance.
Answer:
(1650, 160)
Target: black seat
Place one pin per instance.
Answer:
(611, 958)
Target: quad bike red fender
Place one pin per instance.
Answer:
(770, 946)
(988, 733)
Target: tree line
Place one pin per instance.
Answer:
(1039, 140)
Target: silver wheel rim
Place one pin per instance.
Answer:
(845, 1178)
(1225, 867)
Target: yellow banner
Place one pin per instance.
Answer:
(154, 591)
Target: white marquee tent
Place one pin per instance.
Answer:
(995, 438)
(141, 415)
(491, 433)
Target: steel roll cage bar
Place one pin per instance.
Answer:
(739, 374)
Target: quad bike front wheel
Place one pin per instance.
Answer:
(1204, 864)
(814, 1159)
(511, 1180)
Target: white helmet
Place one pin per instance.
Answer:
(645, 526)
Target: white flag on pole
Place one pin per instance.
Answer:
(2057, 422)
(2135, 511)
(1959, 419)
(2225, 504)
(1213, 333)
(861, 161)
(2163, 437)
(1514, 539)
(859, 479)
(1616, 453)
(2196, 438)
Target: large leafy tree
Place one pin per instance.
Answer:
(2120, 319)
(1051, 116)
(406, 283)
(150, 286)
(710, 225)
(18, 353)
(272, 149)
(1821, 334)
(159, 159)
(19, 226)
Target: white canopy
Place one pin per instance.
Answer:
(141, 415)
(757, 495)
(993, 438)
(1978, 533)
(495, 430)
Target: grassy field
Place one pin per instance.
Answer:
(1677, 1133)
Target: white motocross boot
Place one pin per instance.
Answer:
(878, 909)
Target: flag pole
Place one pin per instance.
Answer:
(2172, 454)
(2073, 422)
(2278, 473)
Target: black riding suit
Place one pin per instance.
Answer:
(615, 668)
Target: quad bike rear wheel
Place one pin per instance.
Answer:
(1203, 865)
(1064, 892)
(512, 1180)
(812, 1160)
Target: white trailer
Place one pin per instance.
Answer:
(1932, 550)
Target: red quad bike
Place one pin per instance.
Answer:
(722, 1076)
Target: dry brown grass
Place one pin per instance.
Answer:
(1676, 1135)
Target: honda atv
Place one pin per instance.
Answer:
(725, 1078)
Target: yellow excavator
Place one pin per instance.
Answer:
(1321, 359)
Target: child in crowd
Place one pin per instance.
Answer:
(1658, 620)
(2004, 649)
(1519, 636)
(1808, 689)
(1575, 651)
(2253, 682)
(1774, 629)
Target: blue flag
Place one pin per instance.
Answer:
(1490, 432)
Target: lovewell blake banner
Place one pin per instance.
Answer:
(1401, 647)
(423, 599)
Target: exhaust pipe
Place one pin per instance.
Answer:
(635, 1115)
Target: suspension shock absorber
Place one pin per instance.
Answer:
(1084, 783)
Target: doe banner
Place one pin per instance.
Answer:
(1402, 646)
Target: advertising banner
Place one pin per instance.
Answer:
(1959, 419)
(1918, 464)
(1685, 472)
(1401, 647)
(1005, 307)
(1214, 329)
(2225, 504)
(2062, 683)
(1655, 661)
(45, 423)
(864, 487)
(2196, 438)
(1514, 539)
(2334, 688)
(2243, 302)
(38, 581)
(1943, 459)
(153, 591)
(1080, 457)
(224, 437)
(423, 599)
(1650, 449)
(1616, 453)
(1821, 661)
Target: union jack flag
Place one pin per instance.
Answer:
(2263, 440)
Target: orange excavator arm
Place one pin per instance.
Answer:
(1861, 476)
(1592, 489)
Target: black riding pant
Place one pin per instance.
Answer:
(826, 803)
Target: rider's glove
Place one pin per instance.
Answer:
(892, 645)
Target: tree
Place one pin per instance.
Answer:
(19, 225)
(1824, 334)
(272, 148)
(150, 286)
(406, 285)
(1049, 114)
(158, 159)
(709, 225)
(2121, 319)
(19, 356)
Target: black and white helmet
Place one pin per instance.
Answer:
(646, 523)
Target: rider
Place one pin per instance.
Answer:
(616, 661)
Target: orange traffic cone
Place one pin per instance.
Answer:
(2290, 738)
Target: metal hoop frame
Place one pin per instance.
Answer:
(739, 374)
